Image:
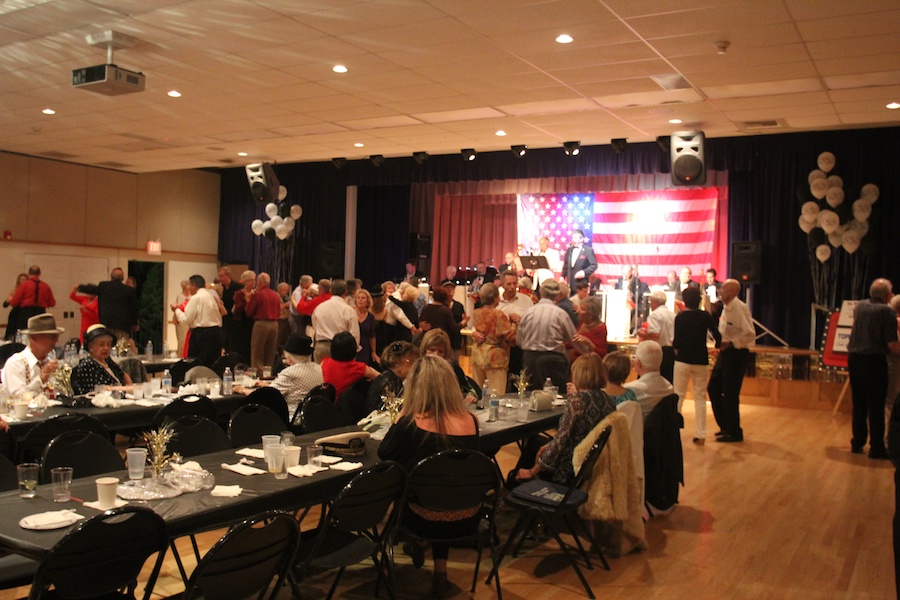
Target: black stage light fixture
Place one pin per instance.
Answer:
(468, 154)
(339, 162)
(263, 182)
(420, 157)
(663, 141)
(519, 150)
(572, 148)
(377, 159)
(619, 145)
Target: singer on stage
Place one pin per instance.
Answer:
(580, 261)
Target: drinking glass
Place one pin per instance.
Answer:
(275, 460)
(313, 453)
(28, 478)
(62, 483)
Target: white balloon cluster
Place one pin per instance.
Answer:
(280, 226)
(831, 189)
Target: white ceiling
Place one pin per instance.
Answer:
(433, 75)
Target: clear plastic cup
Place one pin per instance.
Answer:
(137, 460)
(28, 479)
(61, 478)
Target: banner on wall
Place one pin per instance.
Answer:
(658, 230)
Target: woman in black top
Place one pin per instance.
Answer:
(98, 368)
(691, 357)
(396, 360)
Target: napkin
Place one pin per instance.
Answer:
(347, 466)
(9, 418)
(191, 465)
(51, 519)
(242, 469)
(227, 491)
(96, 504)
(304, 470)
(254, 452)
(329, 460)
(148, 403)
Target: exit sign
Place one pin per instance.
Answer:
(154, 247)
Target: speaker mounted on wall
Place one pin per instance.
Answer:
(746, 262)
(687, 151)
(263, 182)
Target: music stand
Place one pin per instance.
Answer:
(534, 262)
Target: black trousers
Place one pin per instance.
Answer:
(205, 344)
(868, 383)
(543, 364)
(724, 389)
(667, 368)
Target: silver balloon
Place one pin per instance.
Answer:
(826, 161)
(835, 181)
(862, 210)
(810, 209)
(851, 241)
(823, 252)
(276, 221)
(860, 227)
(870, 192)
(256, 226)
(834, 196)
(289, 222)
(815, 174)
(271, 209)
(805, 225)
(282, 193)
(836, 237)
(818, 188)
(829, 220)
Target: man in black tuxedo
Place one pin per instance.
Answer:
(580, 261)
(686, 282)
(118, 303)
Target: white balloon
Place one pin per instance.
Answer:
(282, 192)
(271, 209)
(805, 225)
(870, 192)
(834, 196)
(289, 222)
(836, 237)
(862, 210)
(810, 209)
(829, 220)
(267, 225)
(826, 161)
(815, 174)
(296, 211)
(281, 232)
(860, 227)
(256, 227)
(276, 221)
(851, 241)
(823, 252)
(835, 181)
(818, 188)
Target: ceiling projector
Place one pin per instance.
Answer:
(109, 80)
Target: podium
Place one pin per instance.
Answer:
(618, 315)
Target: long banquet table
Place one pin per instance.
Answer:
(200, 511)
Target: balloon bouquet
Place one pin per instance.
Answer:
(282, 218)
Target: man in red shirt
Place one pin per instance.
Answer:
(264, 307)
(32, 297)
(308, 304)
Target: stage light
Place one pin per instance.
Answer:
(468, 154)
(420, 157)
(664, 142)
(619, 145)
(377, 159)
(572, 148)
(519, 150)
(339, 162)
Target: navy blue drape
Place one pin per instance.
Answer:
(382, 233)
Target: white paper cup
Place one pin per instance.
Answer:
(148, 389)
(155, 384)
(138, 392)
(268, 440)
(291, 456)
(106, 492)
(20, 410)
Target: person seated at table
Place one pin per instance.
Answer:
(490, 356)
(618, 368)
(591, 330)
(433, 418)
(437, 343)
(342, 369)
(587, 405)
(300, 375)
(98, 368)
(31, 369)
(397, 359)
(650, 387)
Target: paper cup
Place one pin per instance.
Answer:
(138, 392)
(20, 410)
(268, 440)
(106, 492)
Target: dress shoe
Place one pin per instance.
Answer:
(880, 454)
(720, 433)
(856, 449)
(416, 553)
(699, 441)
(730, 438)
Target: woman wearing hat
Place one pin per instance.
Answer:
(98, 368)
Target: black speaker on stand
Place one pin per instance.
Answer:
(687, 151)
(746, 262)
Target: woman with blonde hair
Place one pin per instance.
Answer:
(433, 418)
(618, 368)
(362, 302)
(401, 315)
(436, 342)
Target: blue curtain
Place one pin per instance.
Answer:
(382, 233)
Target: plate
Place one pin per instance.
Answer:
(65, 518)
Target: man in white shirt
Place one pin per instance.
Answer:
(724, 389)
(543, 330)
(661, 329)
(31, 369)
(553, 261)
(513, 304)
(298, 324)
(331, 318)
(650, 387)
(203, 314)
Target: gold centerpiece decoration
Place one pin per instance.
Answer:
(521, 382)
(393, 404)
(157, 441)
(61, 380)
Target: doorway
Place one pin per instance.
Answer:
(150, 286)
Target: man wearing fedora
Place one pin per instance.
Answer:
(31, 369)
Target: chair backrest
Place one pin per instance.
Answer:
(272, 399)
(180, 369)
(103, 554)
(454, 480)
(7, 350)
(200, 406)
(199, 372)
(197, 435)
(245, 560)
(134, 368)
(318, 413)
(364, 502)
(250, 422)
(323, 390)
(87, 453)
(8, 444)
(587, 467)
(230, 360)
(353, 405)
(32, 447)
(9, 477)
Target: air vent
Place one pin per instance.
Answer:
(765, 124)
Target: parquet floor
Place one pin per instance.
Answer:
(788, 514)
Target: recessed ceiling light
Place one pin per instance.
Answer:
(564, 38)
(242, 154)
(359, 145)
(675, 121)
(500, 133)
(893, 105)
(339, 69)
(174, 94)
(48, 111)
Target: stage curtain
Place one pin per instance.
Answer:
(382, 233)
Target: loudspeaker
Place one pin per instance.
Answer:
(419, 245)
(263, 182)
(746, 261)
(686, 149)
(330, 258)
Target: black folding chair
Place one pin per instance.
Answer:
(551, 504)
(230, 360)
(252, 421)
(180, 369)
(325, 390)
(7, 350)
(199, 372)
(245, 560)
(352, 530)
(15, 570)
(199, 406)
(195, 435)
(87, 453)
(452, 481)
(272, 399)
(103, 556)
(32, 447)
(8, 444)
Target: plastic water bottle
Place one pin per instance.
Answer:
(165, 349)
(239, 376)
(485, 394)
(167, 381)
(493, 408)
(227, 382)
(548, 385)
(148, 349)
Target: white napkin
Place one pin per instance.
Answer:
(9, 418)
(227, 491)
(50, 520)
(304, 470)
(254, 452)
(53, 403)
(242, 469)
(329, 460)
(187, 389)
(191, 465)
(347, 466)
(96, 504)
(106, 401)
(148, 403)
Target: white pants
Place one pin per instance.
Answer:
(700, 375)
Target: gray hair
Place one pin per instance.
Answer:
(550, 289)
(593, 307)
(650, 355)
(489, 293)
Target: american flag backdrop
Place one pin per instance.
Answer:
(658, 230)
